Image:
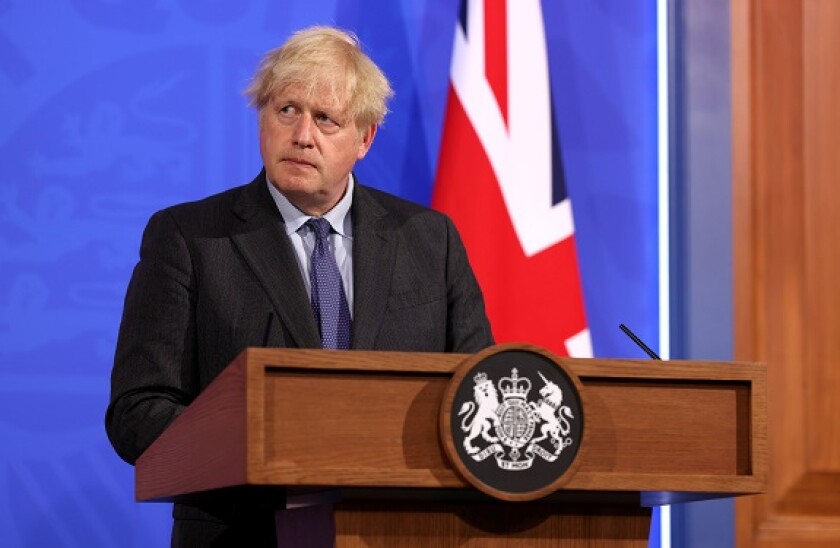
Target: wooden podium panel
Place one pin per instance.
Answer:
(478, 525)
(367, 422)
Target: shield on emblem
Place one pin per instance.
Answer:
(516, 427)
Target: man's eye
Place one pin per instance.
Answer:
(327, 124)
(287, 110)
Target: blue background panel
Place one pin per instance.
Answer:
(113, 109)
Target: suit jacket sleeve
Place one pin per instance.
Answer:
(468, 329)
(154, 376)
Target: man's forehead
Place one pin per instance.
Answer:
(320, 93)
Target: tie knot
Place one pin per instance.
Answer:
(320, 226)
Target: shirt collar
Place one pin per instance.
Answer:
(338, 216)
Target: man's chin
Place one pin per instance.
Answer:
(294, 180)
(295, 186)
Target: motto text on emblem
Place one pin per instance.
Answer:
(515, 430)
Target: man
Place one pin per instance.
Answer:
(303, 256)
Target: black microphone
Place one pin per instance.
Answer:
(639, 342)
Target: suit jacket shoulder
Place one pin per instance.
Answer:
(222, 213)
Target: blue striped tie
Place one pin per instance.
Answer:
(329, 303)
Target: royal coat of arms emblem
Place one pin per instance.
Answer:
(515, 430)
(512, 421)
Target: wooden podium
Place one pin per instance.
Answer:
(353, 437)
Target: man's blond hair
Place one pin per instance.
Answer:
(325, 57)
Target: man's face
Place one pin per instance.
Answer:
(309, 145)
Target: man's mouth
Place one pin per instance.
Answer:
(299, 162)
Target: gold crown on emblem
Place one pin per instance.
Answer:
(513, 386)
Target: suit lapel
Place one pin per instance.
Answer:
(374, 248)
(262, 240)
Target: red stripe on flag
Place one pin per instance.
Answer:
(495, 52)
(534, 299)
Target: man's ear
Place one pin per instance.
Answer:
(367, 135)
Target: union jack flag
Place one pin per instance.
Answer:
(500, 177)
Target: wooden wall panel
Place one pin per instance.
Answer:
(786, 184)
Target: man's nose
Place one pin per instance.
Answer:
(302, 135)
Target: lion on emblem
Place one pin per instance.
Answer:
(550, 410)
(484, 407)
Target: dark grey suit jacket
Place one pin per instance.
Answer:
(219, 275)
